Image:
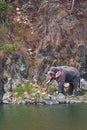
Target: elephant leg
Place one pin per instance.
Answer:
(61, 89)
(70, 89)
(75, 86)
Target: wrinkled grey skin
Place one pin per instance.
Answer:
(68, 75)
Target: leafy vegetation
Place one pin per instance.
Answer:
(7, 47)
(10, 8)
(52, 88)
(83, 92)
(26, 87)
(5, 8)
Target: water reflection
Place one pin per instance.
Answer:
(57, 117)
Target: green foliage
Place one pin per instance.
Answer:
(41, 80)
(1, 5)
(37, 96)
(10, 8)
(7, 47)
(83, 92)
(5, 8)
(13, 47)
(26, 87)
(19, 90)
(52, 88)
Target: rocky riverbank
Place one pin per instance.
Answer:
(42, 98)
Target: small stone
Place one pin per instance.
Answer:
(5, 101)
(67, 100)
(17, 9)
(51, 102)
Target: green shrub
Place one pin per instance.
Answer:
(14, 47)
(37, 96)
(52, 88)
(83, 92)
(19, 91)
(7, 47)
(1, 5)
(26, 87)
(5, 8)
(29, 88)
(10, 8)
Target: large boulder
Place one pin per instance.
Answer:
(13, 72)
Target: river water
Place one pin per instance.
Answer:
(40, 117)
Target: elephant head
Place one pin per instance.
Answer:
(49, 76)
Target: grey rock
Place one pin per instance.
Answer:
(72, 101)
(5, 102)
(83, 84)
(61, 98)
(7, 98)
(18, 71)
(67, 100)
(41, 101)
(51, 102)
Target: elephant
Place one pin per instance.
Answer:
(64, 74)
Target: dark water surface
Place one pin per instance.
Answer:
(57, 117)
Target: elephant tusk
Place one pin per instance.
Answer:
(48, 82)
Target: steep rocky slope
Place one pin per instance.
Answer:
(52, 34)
(47, 33)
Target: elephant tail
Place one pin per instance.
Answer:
(79, 86)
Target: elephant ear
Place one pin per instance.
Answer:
(58, 74)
